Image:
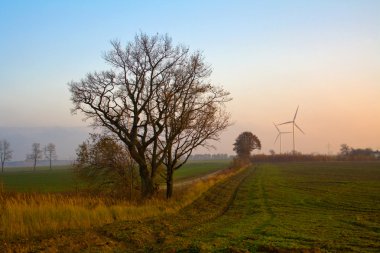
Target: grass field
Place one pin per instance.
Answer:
(284, 207)
(328, 207)
(199, 168)
(62, 178)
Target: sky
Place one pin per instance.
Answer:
(272, 56)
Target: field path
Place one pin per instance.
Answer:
(157, 234)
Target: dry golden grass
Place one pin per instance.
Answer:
(25, 215)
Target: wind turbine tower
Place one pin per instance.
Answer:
(279, 135)
(294, 124)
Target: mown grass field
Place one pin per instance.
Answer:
(283, 207)
(63, 179)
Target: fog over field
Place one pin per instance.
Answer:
(66, 139)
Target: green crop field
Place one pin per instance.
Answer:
(283, 207)
(199, 168)
(62, 178)
(328, 207)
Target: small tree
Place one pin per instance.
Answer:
(5, 153)
(107, 165)
(50, 153)
(244, 144)
(345, 150)
(35, 155)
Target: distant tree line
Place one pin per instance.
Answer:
(346, 154)
(210, 157)
(37, 153)
(350, 153)
(291, 157)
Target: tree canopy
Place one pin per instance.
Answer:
(244, 144)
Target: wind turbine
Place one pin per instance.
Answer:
(279, 135)
(293, 122)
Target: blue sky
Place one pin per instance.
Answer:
(271, 56)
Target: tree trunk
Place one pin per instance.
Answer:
(169, 183)
(147, 187)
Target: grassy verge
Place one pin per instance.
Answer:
(26, 215)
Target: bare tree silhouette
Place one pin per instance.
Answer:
(35, 155)
(137, 99)
(5, 153)
(50, 153)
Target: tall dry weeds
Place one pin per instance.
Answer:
(26, 215)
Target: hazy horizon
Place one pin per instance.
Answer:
(271, 55)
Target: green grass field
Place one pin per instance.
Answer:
(194, 169)
(328, 207)
(284, 207)
(62, 178)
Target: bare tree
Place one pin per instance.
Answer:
(35, 155)
(132, 100)
(5, 153)
(196, 115)
(50, 153)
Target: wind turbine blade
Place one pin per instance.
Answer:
(277, 138)
(299, 128)
(276, 127)
(288, 122)
(295, 115)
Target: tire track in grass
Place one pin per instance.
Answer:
(154, 234)
(264, 193)
(229, 187)
(252, 207)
